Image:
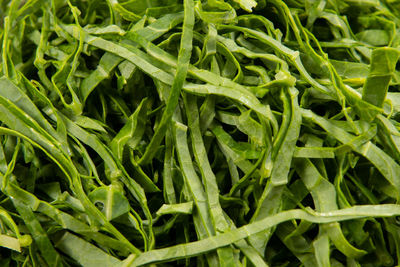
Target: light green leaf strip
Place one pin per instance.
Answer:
(209, 47)
(39, 235)
(180, 78)
(132, 131)
(79, 248)
(389, 133)
(10, 242)
(383, 65)
(168, 184)
(208, 177)
(42, 47)
(289, 137)
(181, 208)
(212, 243)
(321, 248)
(284, 146)
(247, 4)
(223, 12)
(314, 152)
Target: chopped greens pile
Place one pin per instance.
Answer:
(200, 133)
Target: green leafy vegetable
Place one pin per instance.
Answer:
(200, 133)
